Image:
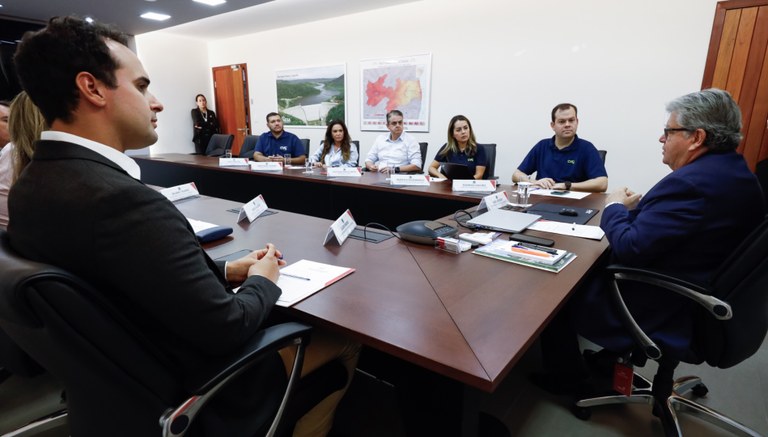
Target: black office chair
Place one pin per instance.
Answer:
(423, 150)
(116, 382)
(16, 362)
(305, 142)
(602, 155)
(249, 144)
(730, 323)
(490, 154)
(219, 144)
(761, 170)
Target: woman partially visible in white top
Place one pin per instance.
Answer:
(25, 123)
(337, 149)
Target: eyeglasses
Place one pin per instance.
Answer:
(667, 130)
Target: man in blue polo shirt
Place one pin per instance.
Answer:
(565, 161)
(275, 144)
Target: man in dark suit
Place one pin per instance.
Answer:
(80, 206)
(687, 225)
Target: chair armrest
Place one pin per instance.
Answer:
(719, 309)
(716, 307)
(175, 422)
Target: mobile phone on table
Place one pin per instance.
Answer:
(233, 256)
(546, 242)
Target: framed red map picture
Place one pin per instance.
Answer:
(395, 83)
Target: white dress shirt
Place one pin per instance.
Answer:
(403, 151)
(119, 158)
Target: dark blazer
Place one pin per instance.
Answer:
(75, 209)
(207, 127)
(687, 225)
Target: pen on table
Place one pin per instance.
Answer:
(537, 247)
(295, 276)
(573, 227)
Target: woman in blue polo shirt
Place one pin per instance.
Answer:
(336, 150)
(461, 148)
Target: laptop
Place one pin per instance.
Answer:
(456, 171)
(504, 220)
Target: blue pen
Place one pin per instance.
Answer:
(295, 277)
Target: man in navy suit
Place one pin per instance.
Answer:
(686, 225)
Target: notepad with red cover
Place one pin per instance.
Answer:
(305, 278)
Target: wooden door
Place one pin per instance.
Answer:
(230, 84)
(737, 62)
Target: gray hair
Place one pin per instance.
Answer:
(394, 112)
(714, 111)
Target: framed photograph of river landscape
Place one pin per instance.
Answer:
(312, 96)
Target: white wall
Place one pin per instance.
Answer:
(179, 69)
(503, 64)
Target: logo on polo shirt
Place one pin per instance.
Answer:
(572, 161)
(283, 148)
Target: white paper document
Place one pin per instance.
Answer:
(305, 278)
(559, 193)
(574, 230)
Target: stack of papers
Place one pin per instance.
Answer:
(531, 255)
(571, 229)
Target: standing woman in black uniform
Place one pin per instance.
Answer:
(205, 124)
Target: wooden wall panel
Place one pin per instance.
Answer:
(755, 126)
(725, 51)
(737, 61)
(740, 55)
(749, 97)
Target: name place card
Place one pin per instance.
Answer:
(233, 162)
(266, 166)
(252, 210)
(179, 192)
(343, 172)
(494, 201)
(474, 185)
(340, 229)
(409, 179)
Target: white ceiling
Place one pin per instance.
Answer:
(236, 17)
(276, 14)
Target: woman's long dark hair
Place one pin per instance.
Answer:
(328, 143)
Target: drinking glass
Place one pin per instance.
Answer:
(523, 191)
(309, 163)
(286, 160)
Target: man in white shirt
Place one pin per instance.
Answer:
(5, 110)
(397, 149)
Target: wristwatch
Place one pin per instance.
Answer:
(567, 185)
(397, 169)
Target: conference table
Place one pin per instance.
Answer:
(370, 197)
(463, 316)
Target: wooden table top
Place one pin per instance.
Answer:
(464, 316)
(369, 180)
